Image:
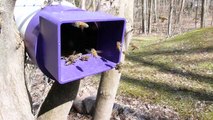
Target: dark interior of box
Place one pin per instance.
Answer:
(74, 39)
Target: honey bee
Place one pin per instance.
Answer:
(84, 58)
(72, 58)
(119, 67)
(80, 25)
(134, 46)
(94, 52)
(162, 18)
(119, 46)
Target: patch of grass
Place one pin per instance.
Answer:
(176, 72)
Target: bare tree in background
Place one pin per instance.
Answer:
(72, 1)
(203, 14)
(212, 19)
(170, 18)
(144, 20)
(196, 13)
(155, 11)
(150, 16)
(181, 11)
(83, 4)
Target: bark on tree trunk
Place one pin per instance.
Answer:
(150, 16)
(181, 11)
(14, 99)
(203, 12)
(95, 5)
(207, 7)
(170, 18)
(59, 101)
(72, 1)
(144, 16)
(196, 15)
(83, 4)
(212, 19)
(110, 79)
(106, 95)
(155, 11)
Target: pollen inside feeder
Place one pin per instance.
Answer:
(53, 37)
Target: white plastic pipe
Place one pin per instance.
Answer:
(26, 9)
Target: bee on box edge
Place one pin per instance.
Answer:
(81, 25)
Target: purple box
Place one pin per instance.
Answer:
(51, 34)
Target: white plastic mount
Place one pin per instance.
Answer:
(26, 9)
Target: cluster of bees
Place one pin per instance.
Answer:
(71, 59)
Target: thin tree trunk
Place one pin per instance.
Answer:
(14, 99)
(212, 19)
(150, 16)
(110, 79)
(94, 5)
(59, 101)
(196, 14)
(106, 95)
(207, 7)
(170, 18)
(144, 16)
(181, 11)
(83, 4)
(155, 11)
(203, 12)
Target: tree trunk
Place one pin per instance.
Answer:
(14, 99)
(72, 1)
(207, 7)
(170, 18)
(196, 14)
(181, 11)
(110, 79)
(106, 94)
(155, 11)
(150, 16)
(212, 19)
(59, 101)
(144, 16)
(83, 4)
(93, 5)
(203, 12)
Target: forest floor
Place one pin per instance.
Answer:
(176, 72)
(169, 78)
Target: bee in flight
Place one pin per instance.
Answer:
(162, 18)
(133, 46)
(80, 25)
(94, 52)
(119, 67)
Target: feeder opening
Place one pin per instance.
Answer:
(78, 39)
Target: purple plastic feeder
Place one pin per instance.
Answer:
(51, 34)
